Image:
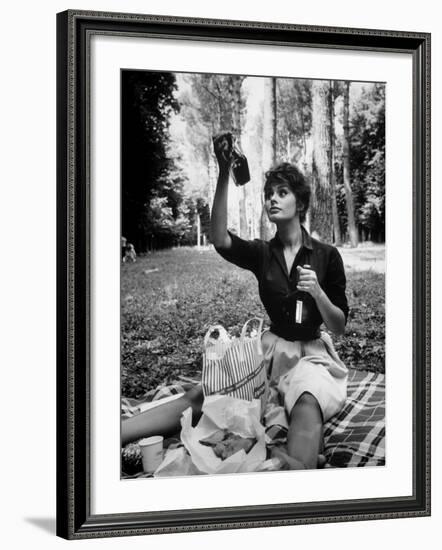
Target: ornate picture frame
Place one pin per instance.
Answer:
(75, 518)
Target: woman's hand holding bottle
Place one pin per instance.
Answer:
(308, 281)
(230, 157)
(223, 147)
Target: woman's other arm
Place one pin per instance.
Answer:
(333, 317)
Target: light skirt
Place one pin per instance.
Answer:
(297, 367)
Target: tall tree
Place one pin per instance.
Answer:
(294, 120)
(321, 211)
(269, 146)
(331, 165)
(252, 142)
(237, 106)
(352, 231)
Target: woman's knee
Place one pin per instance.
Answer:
(305, 402)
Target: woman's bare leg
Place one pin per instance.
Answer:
(163, 419)
(305, 435)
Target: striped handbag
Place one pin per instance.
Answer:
(235, 366)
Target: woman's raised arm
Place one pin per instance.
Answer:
(218, 224)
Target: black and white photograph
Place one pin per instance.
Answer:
(252, 299)
(222, 275)
(243, 275)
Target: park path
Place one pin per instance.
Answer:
(364, 257)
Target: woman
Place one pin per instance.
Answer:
(301, 284)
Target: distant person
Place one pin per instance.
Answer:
(129, 254)
(123, 246)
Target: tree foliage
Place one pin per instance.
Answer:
(367, 161)
(148, 175)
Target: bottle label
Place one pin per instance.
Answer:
(298, 315)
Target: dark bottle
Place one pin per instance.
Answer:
(302, 299)
(239, 167)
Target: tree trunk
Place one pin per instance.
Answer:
(268, 148)
(288, 149)
(321, 215)
(212, 174)
(352, 231)
(236, 106)
(331, 166)
(274, 120)
(307, 222)
(198, 231)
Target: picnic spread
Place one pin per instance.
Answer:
(355, 437)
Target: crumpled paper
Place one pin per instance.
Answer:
(219, 412)
(177, 462)
(235, 415)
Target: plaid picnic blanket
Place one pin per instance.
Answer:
(354, 437)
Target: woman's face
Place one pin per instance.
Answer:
(280, 202)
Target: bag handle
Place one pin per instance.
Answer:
(244, 328)
(219, 328)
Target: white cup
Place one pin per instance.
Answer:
(151, 452)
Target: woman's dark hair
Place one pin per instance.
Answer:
(295, 179)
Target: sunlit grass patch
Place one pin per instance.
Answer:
(170, 298)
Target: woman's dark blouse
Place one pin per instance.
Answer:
(277, 287)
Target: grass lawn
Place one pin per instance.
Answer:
(170, 298)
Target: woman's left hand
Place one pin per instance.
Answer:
(308, 281)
